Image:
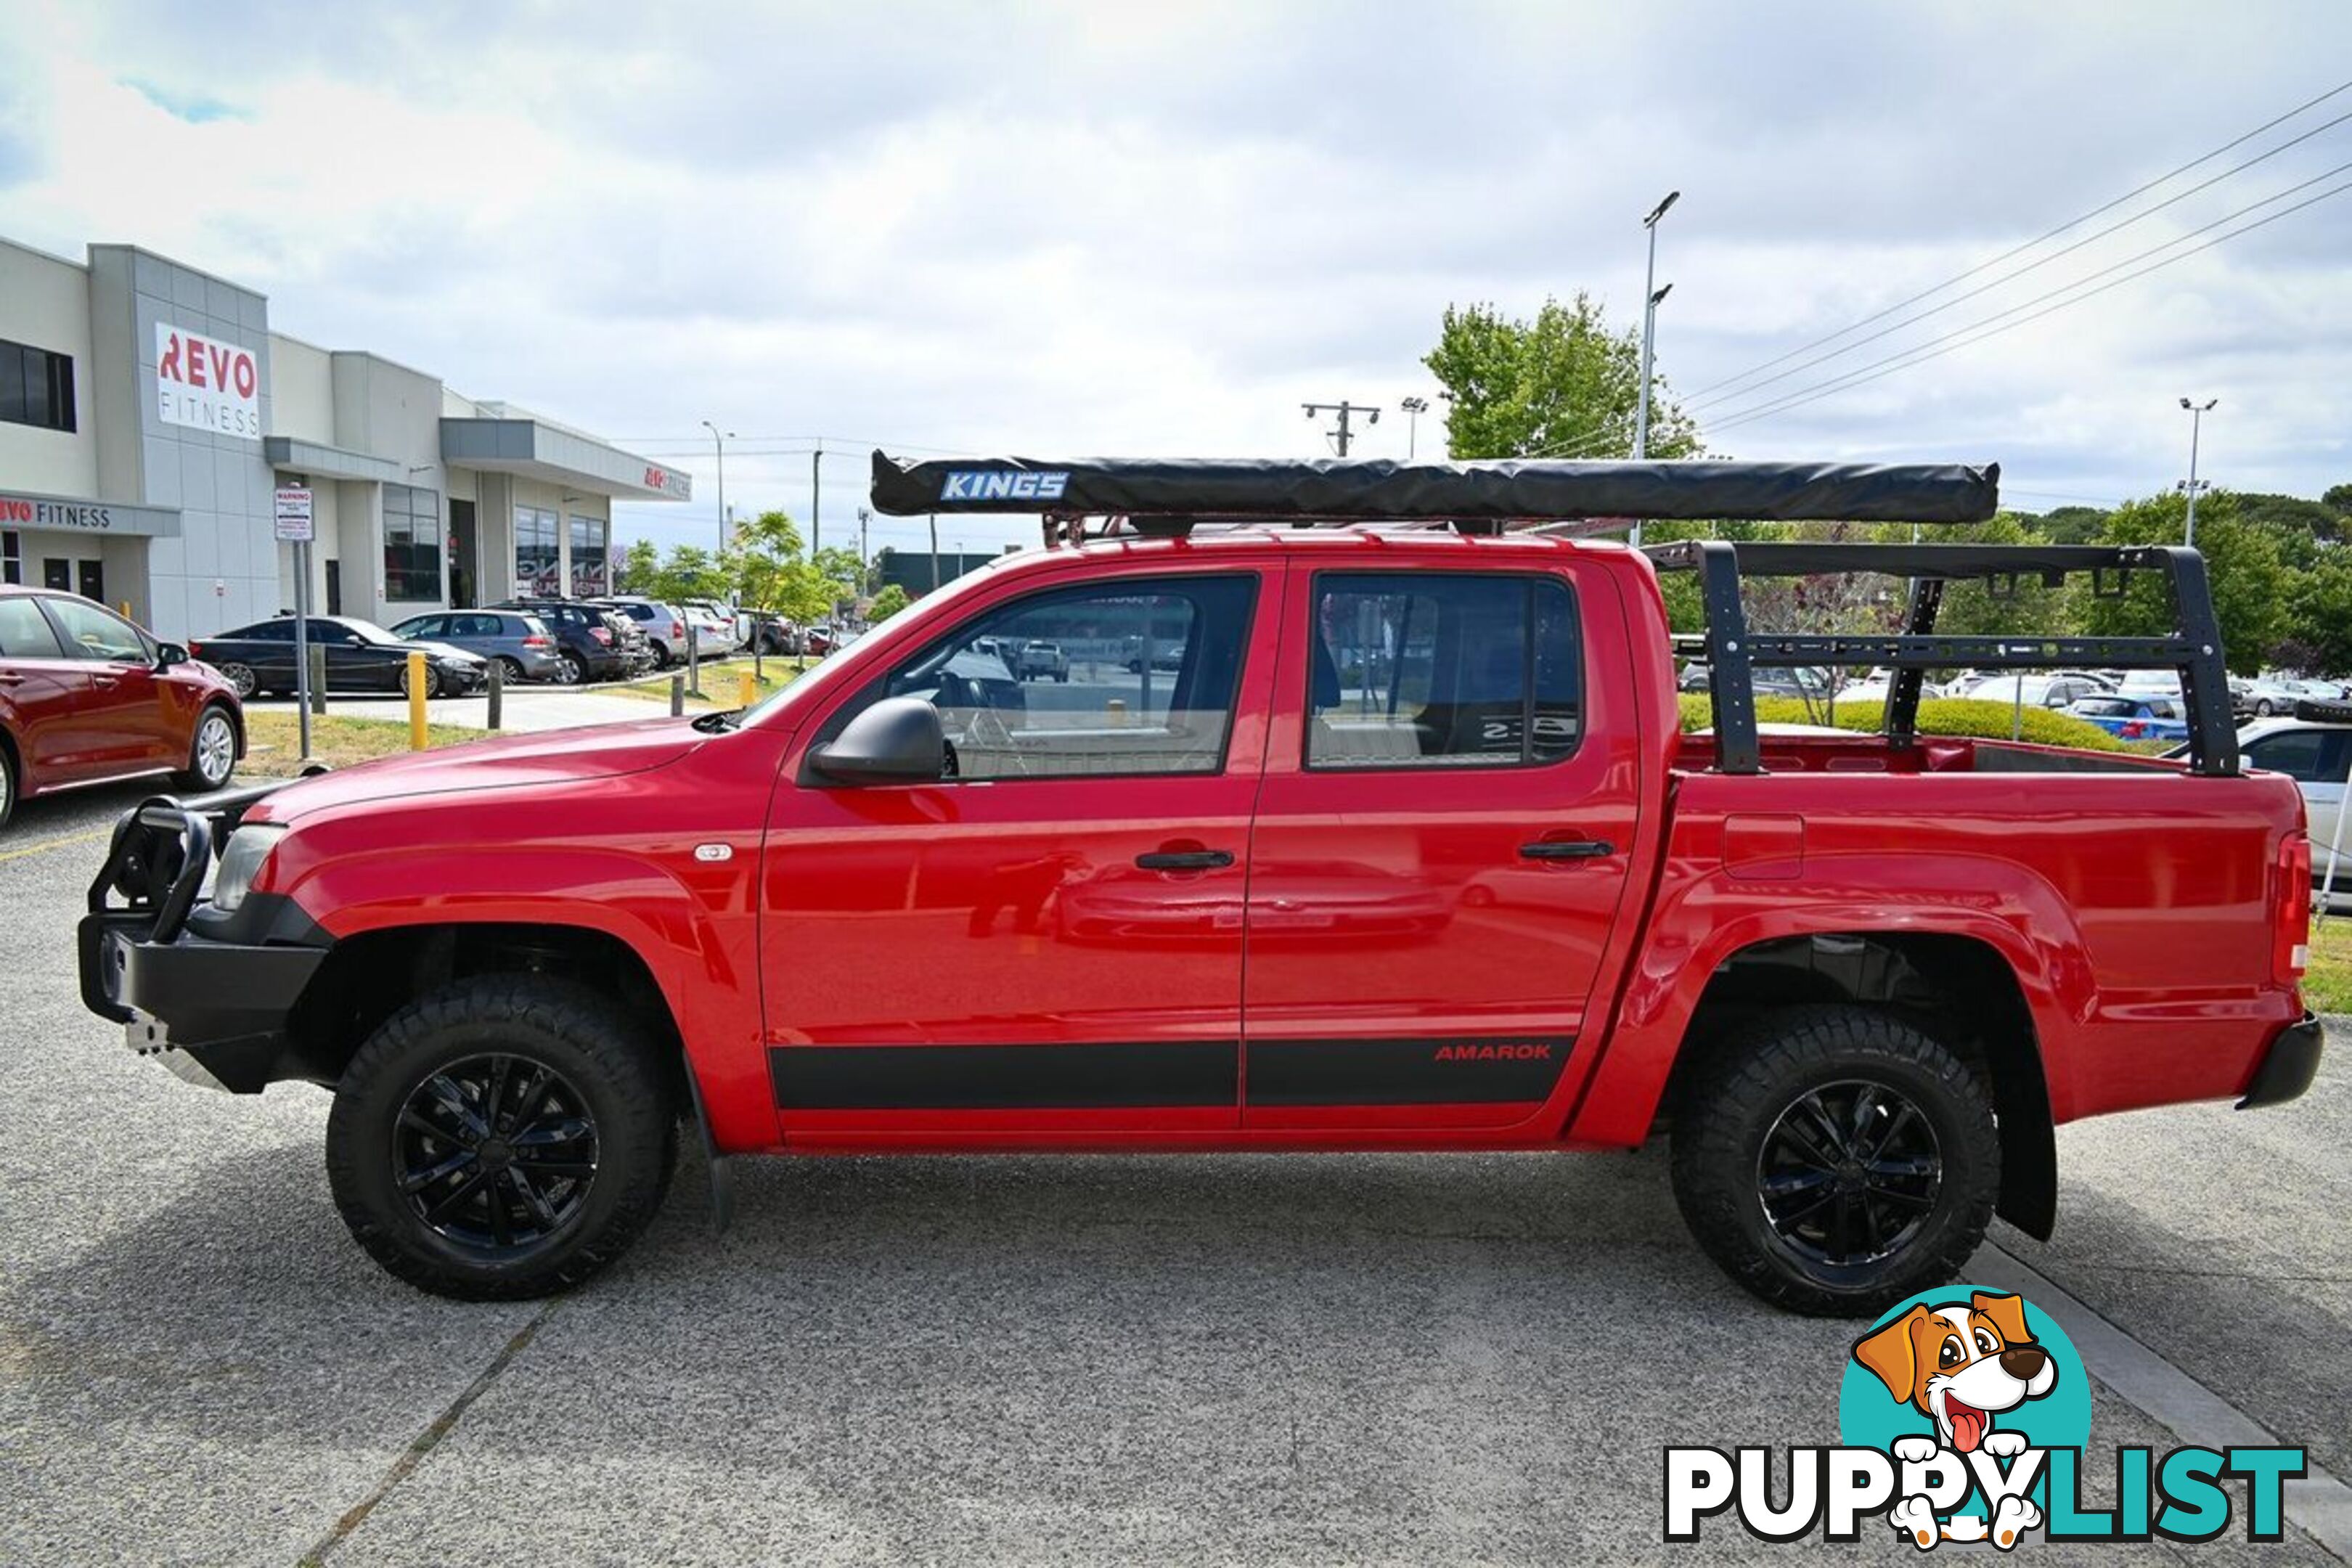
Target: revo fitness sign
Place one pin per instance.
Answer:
(206, 385)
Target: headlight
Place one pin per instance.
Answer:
(248, 849)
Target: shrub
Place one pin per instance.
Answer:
(1956, 716)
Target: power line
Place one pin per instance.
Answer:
(2029, 245)
(1922, 352)
(1701, 399)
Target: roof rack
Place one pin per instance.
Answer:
(1171, 497)
(2192, 649)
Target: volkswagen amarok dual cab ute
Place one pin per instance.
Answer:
(1401, 847)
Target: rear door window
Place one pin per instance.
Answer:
(2307, 756)
(1425, 670)
(25, 632)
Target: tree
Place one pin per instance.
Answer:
(2317, 638)
(690, 572)
(640, 565)
(770, 572)
(1562, 385)
(2071, 525)
(2338, 499)
(2302, 528)
(1971, 609)
(888, 603)
(2241, 561)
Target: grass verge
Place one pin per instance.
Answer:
(274, 738)
(719, 681)
(2327, 985)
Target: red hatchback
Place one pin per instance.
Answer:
(86, 698)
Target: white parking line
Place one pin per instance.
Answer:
(2320, 1504)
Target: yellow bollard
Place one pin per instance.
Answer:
(747, 688)
(416, 679)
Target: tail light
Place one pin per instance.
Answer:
(677, 630)
(196, 650)
(534, 642)
(2133, 728)
(602, 634)
(2291, 911)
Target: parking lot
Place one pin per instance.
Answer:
(1396, 1359)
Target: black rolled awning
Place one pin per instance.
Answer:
(1509, 489)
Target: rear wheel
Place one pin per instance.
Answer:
(511, 670)
(569, 671)
(503, 1139)
(239, 675)
(212, 753)
(8, 784)
(1834, 1160)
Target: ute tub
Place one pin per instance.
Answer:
(2136, 903)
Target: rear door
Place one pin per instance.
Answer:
(41, 690)
(1048, 943)
(1442, 844)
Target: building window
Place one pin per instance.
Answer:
(36, 387)
(539, 569)
(12, 557)
(588, 578)
(412, 545)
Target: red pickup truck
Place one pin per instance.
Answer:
(1402, 847)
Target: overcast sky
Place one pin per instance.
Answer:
(1114, 227)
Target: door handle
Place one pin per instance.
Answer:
(10, 678)
(1567, 849)
(1185, 859)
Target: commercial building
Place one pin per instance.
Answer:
(148, 417)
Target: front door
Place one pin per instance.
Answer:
(462, 574)
(1440, 846)
(122, 720)
(1047, 945)
(89, 580)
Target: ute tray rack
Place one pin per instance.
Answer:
(2192, 649)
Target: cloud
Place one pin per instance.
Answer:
(1064, 226)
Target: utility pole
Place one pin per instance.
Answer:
(718, 440)
(1651, 295)
(1415, 407)
(817, 494)
(935, 552)
(1343, 408)
(2196, 412)
(864, 517)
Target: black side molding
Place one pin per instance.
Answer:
(2288, 1067)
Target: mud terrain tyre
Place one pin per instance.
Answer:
(503, 1139)
(1834, 1160)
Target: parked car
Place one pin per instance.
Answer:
(2133, 718)
(2054, 688)
(663, 625)
(516, 640)
(1804, 682)
(86, 697)
(714, 627)
(360, 657)
(1871, 689)
(1857, 998)
(772, 634)
(587, 646)
(1042, 660)
(2267, 694)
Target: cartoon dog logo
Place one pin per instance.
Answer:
(1961, 1365)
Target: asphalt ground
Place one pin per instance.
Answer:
(1359, 1359)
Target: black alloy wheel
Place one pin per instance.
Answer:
(495, 1151)
(1847, 1173)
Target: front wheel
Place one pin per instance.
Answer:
(1834, 1160)
(503, 1139)
(432, 681)
(2263, 708)
(212, 753)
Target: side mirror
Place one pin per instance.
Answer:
(169, 654)
(899, 739)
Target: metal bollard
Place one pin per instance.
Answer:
(416, 679)
(498, 694)
(747, 689)
(317, 677)
(676, 696)
(693, 660)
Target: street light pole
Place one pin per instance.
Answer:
(718, 440)
(816, 513)
(1651, 295)
(2196, 412)
(1413, 408)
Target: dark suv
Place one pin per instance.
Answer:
(588, 645)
